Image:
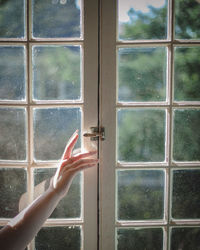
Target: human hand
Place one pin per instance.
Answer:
(70, 165)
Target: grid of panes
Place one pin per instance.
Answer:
(158, 118)
(40, 107)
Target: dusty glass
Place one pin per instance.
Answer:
(185, 238)
(12, 72)
(141, 135)
(185, 194)
(139, 238)
(140, 194)
(13, 186)
(144, 19)
(56, 72)
(13, 134)
(186, 135)
(52, 129)
(59, 238)
(142, 74)
(12, 19)
(187, 74)
(70, 205)
(187, 21)
(56, 19)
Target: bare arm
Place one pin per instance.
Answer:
(20, 230)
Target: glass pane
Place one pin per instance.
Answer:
(140, 238)
(56, 18)
(144, 19)
(187, 21)
(186, 135)
(52, 129)
(141, 135)
(13, 134)
(70, 205)
(185, 238)
(58, 238)
(186, 196)
(140, 194)
(13, 186)
(187, 74)
(139, 80)
(56, 72)
(12, 73)
(12, 18)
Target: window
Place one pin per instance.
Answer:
(48, 80)
(129, 66)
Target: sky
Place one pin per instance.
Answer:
(138, 5)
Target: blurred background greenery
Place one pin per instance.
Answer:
(141, 77)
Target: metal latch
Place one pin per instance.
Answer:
(96, 132)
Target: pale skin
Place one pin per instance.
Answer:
(17, 234)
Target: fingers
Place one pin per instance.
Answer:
(81, 164)
(70, 145)
(77, 157)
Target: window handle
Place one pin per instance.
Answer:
(96, 132)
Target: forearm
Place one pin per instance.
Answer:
(21, 230)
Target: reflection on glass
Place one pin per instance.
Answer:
(142, 74)
(13, 186)
(140, 194)
(58, 238)
(186, 195)
(56, 72)
(12, 134)
(12, 18)
(12, 73)
(187, 21)
(52, 129)
(139, 238)
(187, 74)
(186, 135)
(56, 18)
(185, 238)
(70, 205)
(141, 135)
(144, 19)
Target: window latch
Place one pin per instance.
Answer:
(96, 132)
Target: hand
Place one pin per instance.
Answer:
(70, 166)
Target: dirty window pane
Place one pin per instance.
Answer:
(186, 195)
(13, 134)
(186, 135)
(187, 21)
(187, 74)
(144, 19)
(12, 73)
(59, 238)
(185, 238)
(141, 135)
(139, 80)
(140, 238)
(52, 129)
(12, 18)
(70, 205)
(56, 72)
(140, 194)
(13, 186)
(56, 18)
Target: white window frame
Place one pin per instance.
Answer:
(89, 105)
(108, 107)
